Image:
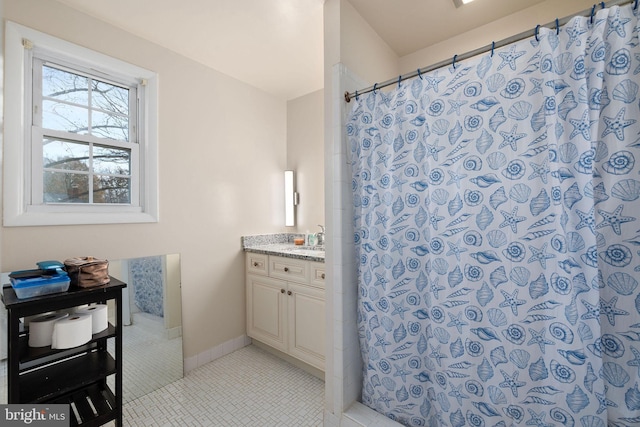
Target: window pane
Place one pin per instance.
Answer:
(62, 187)
(65, 86)
(109, 160)
(110, 126)
(58, 154)
(111, 189)
(65, 117)
(108, 97)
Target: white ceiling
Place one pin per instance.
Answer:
(410, 25)
(277, 45)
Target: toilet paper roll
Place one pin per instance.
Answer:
(71, 331)
(41, 328)
(27, 319)
(99, 316)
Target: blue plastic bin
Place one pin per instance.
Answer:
(29, 286)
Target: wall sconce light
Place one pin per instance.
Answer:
(459, 3)
(290, 199)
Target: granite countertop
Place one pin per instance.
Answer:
(282, 245)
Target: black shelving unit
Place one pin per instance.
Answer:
(76, 376)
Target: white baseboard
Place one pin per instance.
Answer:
(174, 332)
(193, 362)
(295, 362)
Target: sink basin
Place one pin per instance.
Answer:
(309, 251)
(306, 248)
(316, 251)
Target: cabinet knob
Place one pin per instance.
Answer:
(322, 276)
(286, 269)
(288, 292)
(282, 291)
(255, 264)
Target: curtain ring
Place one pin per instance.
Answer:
(602, 4)
(635, 5)
(493, 46)
(557, 26)
(453, 64)
(419, 74)
(399, 80)
(356, 95)
(536, 33)
(375, 87)
(593, 11)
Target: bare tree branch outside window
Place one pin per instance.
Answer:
(76, 171)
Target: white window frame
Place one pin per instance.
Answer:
(20, 207)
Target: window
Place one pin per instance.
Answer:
(83, 130)
(80, 138)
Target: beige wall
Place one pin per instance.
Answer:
(222, 150)
(525, 20)
(173, 301)
(362, 50)
(305, 155)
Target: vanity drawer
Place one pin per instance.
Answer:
(288, 269)
(257, 264)
(317, 275)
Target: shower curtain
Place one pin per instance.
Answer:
(497, 228)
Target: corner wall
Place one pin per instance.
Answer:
(222, 150)
(305, 155)
(353, 55)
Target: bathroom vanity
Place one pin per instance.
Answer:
(286, 300)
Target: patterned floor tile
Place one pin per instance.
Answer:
(248, 387)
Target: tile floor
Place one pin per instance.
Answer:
(143, 371)
(248, 387)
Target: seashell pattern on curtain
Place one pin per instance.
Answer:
(497, 227)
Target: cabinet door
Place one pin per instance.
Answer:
(266, 310)
(306, 324)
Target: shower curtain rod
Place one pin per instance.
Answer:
(504, 42)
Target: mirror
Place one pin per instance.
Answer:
(152, 319)
(152, 354)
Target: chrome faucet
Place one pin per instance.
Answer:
(320, 235)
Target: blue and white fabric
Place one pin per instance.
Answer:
(497, 227)
(147, 279)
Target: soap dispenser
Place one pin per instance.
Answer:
(311, 239)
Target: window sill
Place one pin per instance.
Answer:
(48, 218)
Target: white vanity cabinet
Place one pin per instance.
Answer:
(285, 305)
